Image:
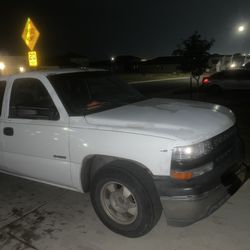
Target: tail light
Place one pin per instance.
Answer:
(205, 81)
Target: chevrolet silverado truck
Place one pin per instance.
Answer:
(85, 130)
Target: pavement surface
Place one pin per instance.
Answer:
(38, 216)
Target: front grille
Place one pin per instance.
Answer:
(224, 144)
(225, 138)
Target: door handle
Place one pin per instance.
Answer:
(8, 131)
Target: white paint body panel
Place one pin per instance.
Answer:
(30, 151)
(144, 132)
(1, 146)
(147, 150)
(181, 120)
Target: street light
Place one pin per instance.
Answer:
(2, 66)
(21, 69)
(241, 28)
(233, 65)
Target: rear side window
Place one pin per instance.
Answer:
(2, 89)
(243, 75)
(219, 75)
(31, 100)
(228, 75)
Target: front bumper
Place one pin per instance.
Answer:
(185, 210)
(185, 202)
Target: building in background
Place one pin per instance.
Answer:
(224, 62)
(166, 64)
(12, 64)
(133, 64)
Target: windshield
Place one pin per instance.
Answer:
(89, 92)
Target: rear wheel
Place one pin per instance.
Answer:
(123, 203)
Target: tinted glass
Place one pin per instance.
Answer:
(219, 75)
(2, 89)
(243, 75)
(30, 99)
(89, 92)
(231, 75)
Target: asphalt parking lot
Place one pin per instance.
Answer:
(38, 216)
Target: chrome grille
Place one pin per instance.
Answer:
(225, 137)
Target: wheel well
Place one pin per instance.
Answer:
(93, 163)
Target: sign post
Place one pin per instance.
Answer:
(30, 36)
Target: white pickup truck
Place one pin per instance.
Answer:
(85, 130)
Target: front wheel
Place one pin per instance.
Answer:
(123, 203)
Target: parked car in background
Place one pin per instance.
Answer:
(227, 79)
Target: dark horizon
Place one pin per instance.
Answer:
(145, 29)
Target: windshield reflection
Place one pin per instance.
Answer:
(84, 93)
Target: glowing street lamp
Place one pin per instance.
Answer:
(21, 69)
(233, 65)
(241, 28)
(2, 66)
(112, 59)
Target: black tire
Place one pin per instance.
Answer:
(148, 211)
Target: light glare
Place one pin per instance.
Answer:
(241, 28)
(233, 65)
(188, 150)
(2, 66)
(21, 69)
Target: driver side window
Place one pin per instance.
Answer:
(30, 100)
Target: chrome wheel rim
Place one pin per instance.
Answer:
(119, 203)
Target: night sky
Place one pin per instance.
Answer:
(104, 28)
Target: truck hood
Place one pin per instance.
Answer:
(169, 118)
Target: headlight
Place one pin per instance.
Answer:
(193, 151)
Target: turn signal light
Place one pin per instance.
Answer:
(182, 176)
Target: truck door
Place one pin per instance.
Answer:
(35, 135)
(2, 90)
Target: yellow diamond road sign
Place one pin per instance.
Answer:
(30, 34)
